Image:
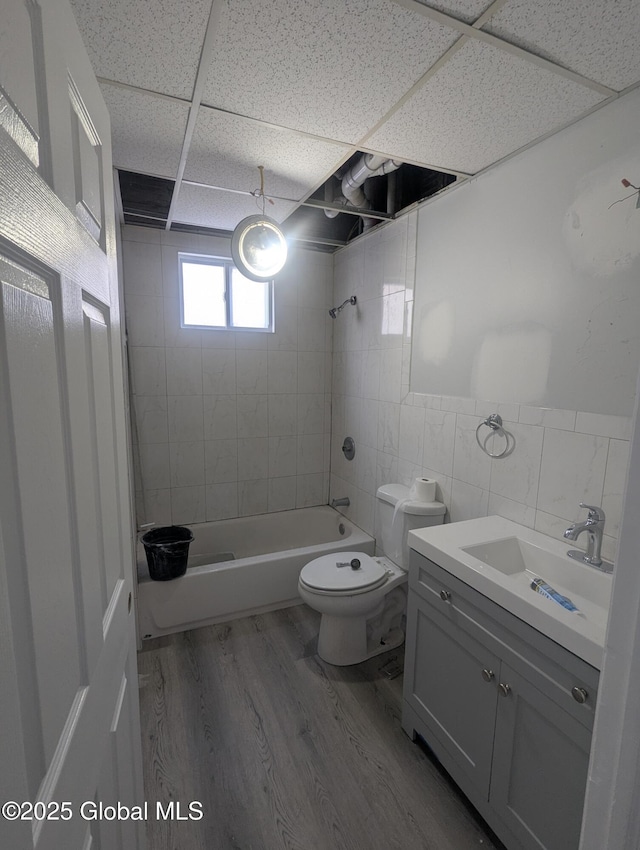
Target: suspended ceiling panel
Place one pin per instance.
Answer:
(465, 10)
(226, 151)
(147, 131)
(206, 207)
(154, 45)
(352, 75)
(482, 105)
(330, 68)
(600, 41)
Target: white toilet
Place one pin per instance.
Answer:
(363, 599)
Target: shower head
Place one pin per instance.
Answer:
(333, 312)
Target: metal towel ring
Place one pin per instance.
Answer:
(494, 421)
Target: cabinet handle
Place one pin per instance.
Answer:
(445, 595)
(505, 690)
(579, 694)
(488, 675)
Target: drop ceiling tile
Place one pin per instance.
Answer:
(330, 68)
(154, 45)
(599, 40)
(226, 151)
(207, 207)
(147, 132)
(480, 106)
(465, 10)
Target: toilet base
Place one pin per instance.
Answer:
(342, 641)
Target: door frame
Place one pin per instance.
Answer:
(611, 816)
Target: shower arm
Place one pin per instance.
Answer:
(335, 310)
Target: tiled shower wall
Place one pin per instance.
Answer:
(226, 423)
(560, 458)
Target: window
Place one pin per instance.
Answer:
(213, 294)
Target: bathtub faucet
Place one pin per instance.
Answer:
(340, 503)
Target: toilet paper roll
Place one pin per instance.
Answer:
(423, 490)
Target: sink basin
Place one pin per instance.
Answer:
(508, 555)
(499, 558)
(512, 555)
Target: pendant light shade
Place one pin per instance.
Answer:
(258, 247)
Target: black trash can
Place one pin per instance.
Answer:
(167, 550)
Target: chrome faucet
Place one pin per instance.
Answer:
(340, 503)
(594, 526)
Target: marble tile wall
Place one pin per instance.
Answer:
(229, 424)
(560, 457)
(226, 423)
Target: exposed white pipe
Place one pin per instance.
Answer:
(369, 165)
(352, 181)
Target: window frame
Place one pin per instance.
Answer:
(228, 265)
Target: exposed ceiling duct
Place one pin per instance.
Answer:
(367, 166)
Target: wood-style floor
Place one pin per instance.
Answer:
(284, 751)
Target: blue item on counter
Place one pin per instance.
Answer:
(544, 589)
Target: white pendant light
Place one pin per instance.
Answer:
(258, 246)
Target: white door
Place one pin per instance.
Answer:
(69, 723)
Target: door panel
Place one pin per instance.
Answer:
(96, 328)
(69, 699)
(87, 161)
(18, 81)
(37, 445)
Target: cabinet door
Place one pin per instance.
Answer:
(445, 686)
(541, 756)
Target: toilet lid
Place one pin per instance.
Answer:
(323, 574)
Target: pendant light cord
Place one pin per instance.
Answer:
(261, 170)
(259, 193)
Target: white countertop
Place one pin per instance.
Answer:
(583, 634)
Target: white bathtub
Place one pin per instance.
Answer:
(242, 566)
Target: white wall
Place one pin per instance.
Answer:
(562, 456)
(226, 424)
(527, 276)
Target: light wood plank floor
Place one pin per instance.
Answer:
(286, 752)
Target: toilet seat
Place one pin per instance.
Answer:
(323, 576)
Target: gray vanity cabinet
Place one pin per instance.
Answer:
(496, 702)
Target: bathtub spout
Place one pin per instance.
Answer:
(340, 503)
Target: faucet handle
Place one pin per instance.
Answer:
(595, 513)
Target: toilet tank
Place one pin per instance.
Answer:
(397, 515)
